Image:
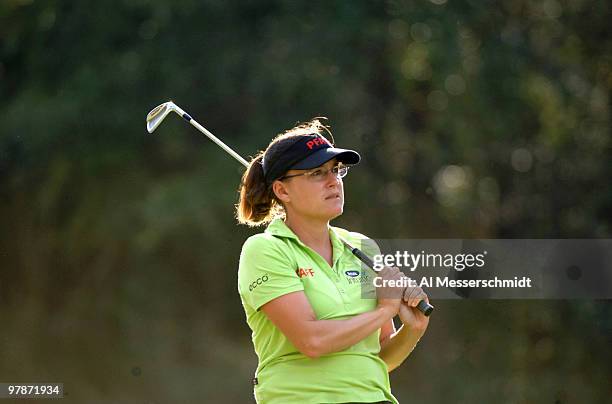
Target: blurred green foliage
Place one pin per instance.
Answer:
(119, 250)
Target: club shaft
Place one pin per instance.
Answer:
(212, 137)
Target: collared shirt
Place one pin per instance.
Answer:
(275, 263)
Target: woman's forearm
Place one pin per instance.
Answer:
(397, 348)
(327, 336)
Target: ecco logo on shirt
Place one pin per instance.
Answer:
(257, 282)
(304, 272)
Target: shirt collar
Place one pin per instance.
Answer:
(277, 227)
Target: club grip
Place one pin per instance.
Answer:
(364, 258)
(423, 306)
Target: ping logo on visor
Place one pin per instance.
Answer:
(317, 141)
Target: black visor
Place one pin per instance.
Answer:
(309, 152)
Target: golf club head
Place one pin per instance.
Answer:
(158, 114)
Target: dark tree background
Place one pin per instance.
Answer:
(119, 249)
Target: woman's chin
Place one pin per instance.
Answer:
(330, 214)
(336, 212)
(328, 211)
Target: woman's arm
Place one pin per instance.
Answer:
(399, 346)
(386, 332)
(395, 350)
(294, 316)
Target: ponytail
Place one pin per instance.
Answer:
(257, 204)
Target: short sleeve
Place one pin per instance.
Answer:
(265, 271)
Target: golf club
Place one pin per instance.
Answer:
(159, 113)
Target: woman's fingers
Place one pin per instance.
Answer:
(413, 295)
(389, 290)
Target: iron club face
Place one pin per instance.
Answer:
(159, 113)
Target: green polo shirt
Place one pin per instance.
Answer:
(275, 263)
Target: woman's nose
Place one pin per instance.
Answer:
(333, 179)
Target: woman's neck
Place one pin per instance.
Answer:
(314, 234)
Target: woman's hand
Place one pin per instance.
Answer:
(411, 316)
(390, 292)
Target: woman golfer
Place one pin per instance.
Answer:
(318, 339)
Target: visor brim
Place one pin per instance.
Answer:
(322, 156)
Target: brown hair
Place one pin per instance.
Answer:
(258, 205)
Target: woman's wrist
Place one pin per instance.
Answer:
(417, 330)
(414, 328)
(387, 311)
(406, 337)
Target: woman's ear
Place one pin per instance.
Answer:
(280, 190)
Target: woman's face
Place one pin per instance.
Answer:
(317, 198)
